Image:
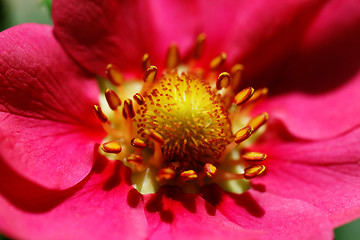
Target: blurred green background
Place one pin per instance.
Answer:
(13, 12)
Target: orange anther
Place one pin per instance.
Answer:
(128, 108)
(254, 156)
(113, 99)
(139, 98)
(223, 81)
(155, 136)
(188, 175)
(258, 94)
(254, 171)
(165, 174)
(146, 62)
(258, 121)
(243, 134)
(199, 45)
(150, 74)
(114, 75)
(218, 61)
(134, 159)
(236, 72)
(172, 57)
(210, 169)
(99, 114)
(244, 95)
(111, 147)
(138, 143)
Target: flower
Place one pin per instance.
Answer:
(54, 184)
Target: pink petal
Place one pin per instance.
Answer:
(98, 33)
(102, 206)
(47, 126)
(317, 116)
(323, 173)
(172, 214)
(276, 217)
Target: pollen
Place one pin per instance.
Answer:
(183, 125)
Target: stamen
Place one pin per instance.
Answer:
(155, 136)
(210, 169)
(199, 45)
(146, 62)
(244, 95)
(129, 109)
(223, 81)
(99, 114)
(150, 74)
(243, 134)
(111, 147)
(113, 99)
(218, 61)
(254, 171)
(188, 175)
(138, 143)
(134, 159)
(254, 156)
(172, 57)
(236, 73)
(114, 75)
(139, 99)
(258, 121)
(258, 94)
(165, 174)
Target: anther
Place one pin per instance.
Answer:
(146, 62)
(218, 61)
(114, 75)
(150, 74)
(99, 114)
(244, 95)
(134, 159)
(258, 94)
(243, 134)
(258, 121)
(111, 147)
(129, 109)
(236, 72)
(188, 175)
(172, 57)
(223, 81)
(113, 99)
(139, 99)
(210, 169)
(165, 174)
(254, 171)
(138, 143)
(199, 45)
(155, 136)
(254, 156)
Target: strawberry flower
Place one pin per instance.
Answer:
(57, 183)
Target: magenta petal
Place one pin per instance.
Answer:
(102, 206)
(48, 129)
(327, 114)
(172, 214)
(120, 32)
(323, 173)
(276, 217)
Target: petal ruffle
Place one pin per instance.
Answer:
(97, 33)
(176, 215)
(274, 216)
(47, 126)
(323, 173)
(103, 206)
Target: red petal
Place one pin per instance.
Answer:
(47, 126)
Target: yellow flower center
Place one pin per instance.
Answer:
(184, 128)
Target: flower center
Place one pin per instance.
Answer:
(183, 128)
